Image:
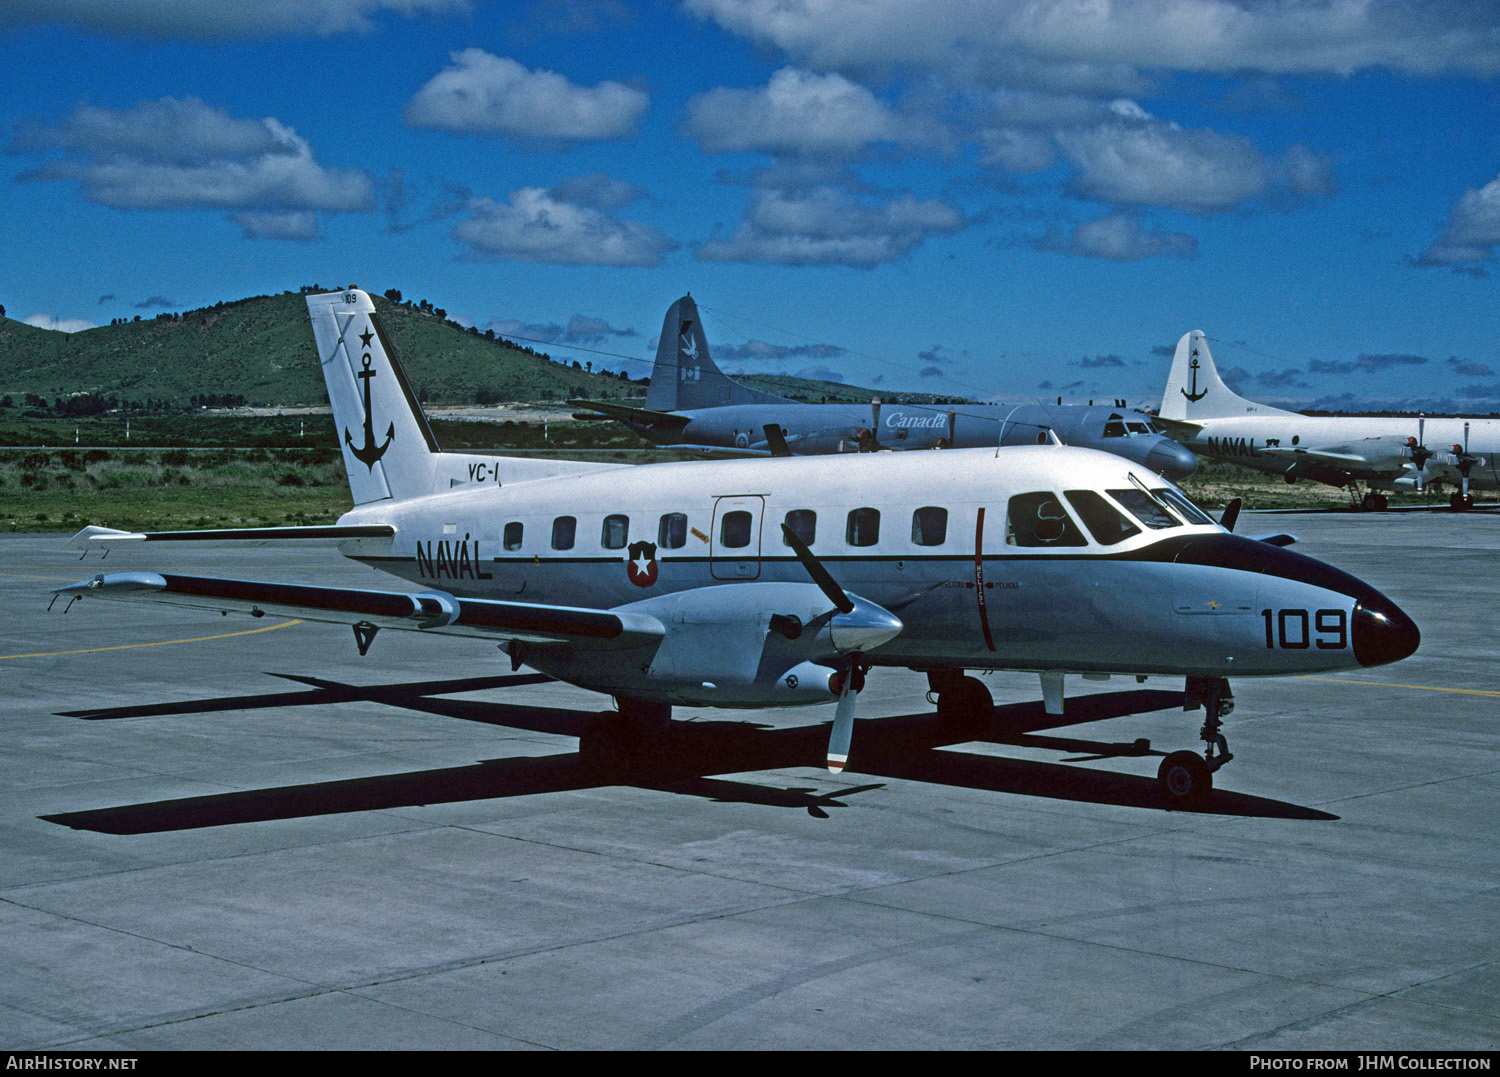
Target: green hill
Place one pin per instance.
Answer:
(262, 349)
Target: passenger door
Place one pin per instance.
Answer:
(734, 542)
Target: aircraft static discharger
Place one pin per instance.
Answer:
(692, 404)
(768, 583)
(1384, 453)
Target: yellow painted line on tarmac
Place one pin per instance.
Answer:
(163, 643)
(1414, 687)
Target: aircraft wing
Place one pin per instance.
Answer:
(656, 420)
(95, 538)
(1370, 458)
(432, 611)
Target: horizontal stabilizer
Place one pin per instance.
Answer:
(719, 449)
(1177, 428)
(434, 611)
(94, 538)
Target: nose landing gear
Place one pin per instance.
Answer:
(1185, 778)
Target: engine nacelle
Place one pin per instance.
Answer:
(755, 644)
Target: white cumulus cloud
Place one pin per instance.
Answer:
(1135, 160)
(827, 227)
(484, 94)
(796, 112)
(185, 154)
(1093, 44)
(1472, 231)
(537, 226)
(61, 325)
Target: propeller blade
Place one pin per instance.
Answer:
(815, 569)
(843, 726)
(1231, 515)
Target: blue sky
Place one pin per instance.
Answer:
(1002, 200)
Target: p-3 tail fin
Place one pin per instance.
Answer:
(1195, 391)
(685, 378)
(389, 450)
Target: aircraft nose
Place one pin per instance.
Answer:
(1174, 461)
(1382, 632)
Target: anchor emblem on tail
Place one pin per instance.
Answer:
(1195, 394)
(369, 452)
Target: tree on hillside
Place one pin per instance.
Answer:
(393, 294)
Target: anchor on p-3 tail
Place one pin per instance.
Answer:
(1192, 392)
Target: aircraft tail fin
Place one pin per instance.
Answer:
(1195, 391)
(389, 450)
(685, 377)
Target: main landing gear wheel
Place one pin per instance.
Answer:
(965, 707)
(1373, 502)
(1185, 780)
(1459, 503)
(610, 747)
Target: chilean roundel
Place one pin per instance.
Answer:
(641, 567)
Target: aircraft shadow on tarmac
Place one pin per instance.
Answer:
(684, 758)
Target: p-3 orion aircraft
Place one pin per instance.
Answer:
(692, 404)
(1340, 450)
(769, 583)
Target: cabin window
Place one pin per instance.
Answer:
(734, 529)
(803, 524)
(1185, 508)
(1106, 523)
(671, 532)
(512, 539)
(863, 528)
(1145, 508)
(615, 533)
(1039, 519)
(563, 530)
(929, 526)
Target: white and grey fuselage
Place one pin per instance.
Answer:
(1042, 558)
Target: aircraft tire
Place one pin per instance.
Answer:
(965, 708)
(609, 747)
(1185, 780)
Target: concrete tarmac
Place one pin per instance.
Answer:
(222, 833)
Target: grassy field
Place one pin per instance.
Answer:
(223, 471)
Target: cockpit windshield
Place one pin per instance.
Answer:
(1106, 523)
(1188, 511)
(1039, 519)
(1145, 508)
(1118, 426)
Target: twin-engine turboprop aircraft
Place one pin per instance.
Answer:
(769, 583)
(1383, 453)
(693, 404)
